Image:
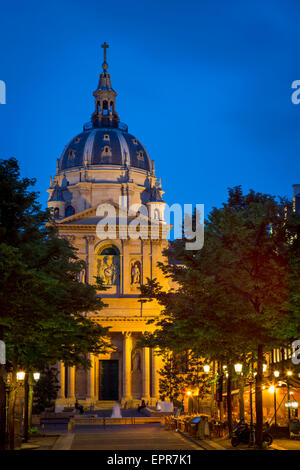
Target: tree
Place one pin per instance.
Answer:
(182, 372)
(232, 296)
(45, 390)
(171, 381)
(40, 296)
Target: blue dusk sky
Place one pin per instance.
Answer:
(205, 86)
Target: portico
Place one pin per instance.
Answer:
(134, 373)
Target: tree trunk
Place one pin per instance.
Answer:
(30, 399)
(229, 403)
(212, 396)
(258, 397)
(26, 407)
(2, 408)
(241, 397)
(220, 392)
(11, 409)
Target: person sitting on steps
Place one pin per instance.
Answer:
(78, 407)
(142, 405)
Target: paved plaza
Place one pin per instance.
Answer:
(125, 437)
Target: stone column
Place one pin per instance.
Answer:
(61, 372)
(146, 373)
(127, 346)
(71, 382)
(155, 374)
(90, 240)
(91, 378)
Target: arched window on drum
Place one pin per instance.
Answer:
(70, 211)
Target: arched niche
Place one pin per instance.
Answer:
(135, 272)
(108, 265)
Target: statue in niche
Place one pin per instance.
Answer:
(82, 276)
(136, 273)
(135, 361)
(108, 269)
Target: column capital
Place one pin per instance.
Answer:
(127, 334)
(70, 238)
(89, 238)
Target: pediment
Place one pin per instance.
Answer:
(90, 213)
(89, 216)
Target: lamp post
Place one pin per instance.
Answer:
(289, 373)
(183, 393)
(272, 389)
(251, 380)
(20, 376)
(238, 368)
(276, 375)
(28, 396)
(36, 376)
(206, 369)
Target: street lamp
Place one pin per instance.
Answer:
(206, 368)
(251, 380)
(238, 368)
(36, 376)
(276, 373)
(272, 389)
(288, 373)
(20, 375)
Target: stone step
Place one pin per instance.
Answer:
(104, 405)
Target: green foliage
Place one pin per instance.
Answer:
(235, 292)
(43, 305)
(33, 431)
(171, 381)
(45, 390)
(180, 372)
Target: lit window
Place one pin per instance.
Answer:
(106, 151)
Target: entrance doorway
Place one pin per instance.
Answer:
(108, 380)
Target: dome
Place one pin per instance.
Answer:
(105, 146)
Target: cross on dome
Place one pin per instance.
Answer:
(104, 65)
